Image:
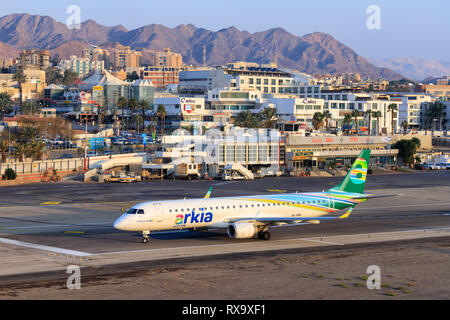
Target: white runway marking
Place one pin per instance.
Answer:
(60, 225)
(46, 248)
(321, 241)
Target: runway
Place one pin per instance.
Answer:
(76, 227)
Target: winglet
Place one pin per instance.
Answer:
(208, 194)
(347, 214)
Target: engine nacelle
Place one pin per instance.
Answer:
(242, 230)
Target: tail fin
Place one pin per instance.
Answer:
(355, 179)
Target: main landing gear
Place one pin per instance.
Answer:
(145, 236)
(264, 235)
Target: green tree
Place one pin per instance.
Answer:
(355, 115)
(5, 104)
(132, 105)
(435, 114)
(318, 120)
(143, 105)
(53, 76)
(246, 119)
(30, 107)
(407, 149)
(9, 174)
(132, 76)
(268, 117)
(161, 114)
(327, 116)
(189, 128)
(347, 119)
(37, 149)
(29, 133)
(377, 115)
(21, 78)
(392, 108)
(20, 150)
(4, 147)
(69, 77)
(369, 114)
(122, 103)
(404, 126)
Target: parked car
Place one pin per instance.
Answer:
(67, 156)
(108, 153)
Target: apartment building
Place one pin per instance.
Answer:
(82, 66)
(410, 109)
(165, 58)
(161, 77)
(36, 59)
(125, 58)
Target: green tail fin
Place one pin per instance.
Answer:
(355, 179)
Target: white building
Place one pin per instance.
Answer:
(409, 110)
(82, 66)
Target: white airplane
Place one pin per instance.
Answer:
(248, 216)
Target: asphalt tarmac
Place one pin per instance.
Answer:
(79, 217)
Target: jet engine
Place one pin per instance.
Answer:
(242, 230)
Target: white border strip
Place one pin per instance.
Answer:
(42, 247)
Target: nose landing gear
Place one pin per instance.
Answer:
(264, 235)
(145, 236)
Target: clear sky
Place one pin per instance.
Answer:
(414, 28)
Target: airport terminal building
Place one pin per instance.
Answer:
(322, 152)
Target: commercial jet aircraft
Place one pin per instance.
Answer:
(245, 217)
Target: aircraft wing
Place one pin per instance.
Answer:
(372, 196)
(290, 220)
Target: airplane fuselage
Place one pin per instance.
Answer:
(218, 212)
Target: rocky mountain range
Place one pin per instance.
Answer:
(417, 69)
(311, 53)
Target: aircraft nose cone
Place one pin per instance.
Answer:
(120, 224)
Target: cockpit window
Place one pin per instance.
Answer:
(140, 211)
(132, 211)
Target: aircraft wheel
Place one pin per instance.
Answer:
(265, 235)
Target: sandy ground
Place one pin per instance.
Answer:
(407, 272)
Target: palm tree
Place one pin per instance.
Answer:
(392, 108)
(132, 104)
(122, 103)
(404, 126)
(5, 103)
(327, 116)
(355, 114)
(29, 133)
(20, 78)
(143, 105)
(20, 151)
(434, 113)
(347, 120)
(317, 120)
(246, 119)
(378, 115)
(30, 107)
(38, 148)
(161, 113)
(369, 114)
(268, 117)
(4, 146)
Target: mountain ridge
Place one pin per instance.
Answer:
(312, 53)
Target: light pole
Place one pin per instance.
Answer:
(85, 145)
(9, 143)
